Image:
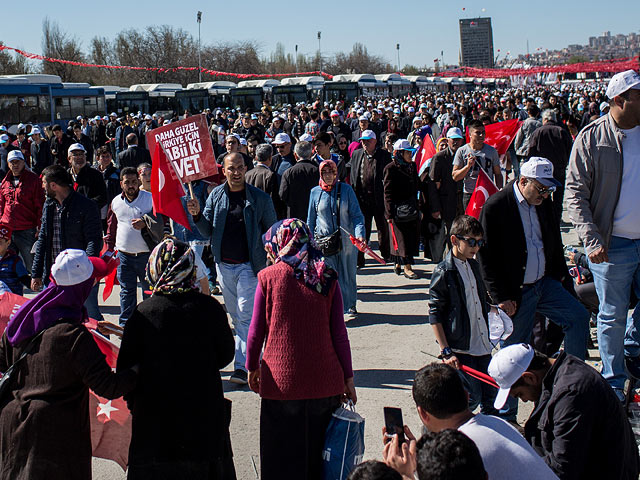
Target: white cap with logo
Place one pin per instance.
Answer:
(506, 367)
(541, 169)
(15, 155)
(281, 138)
(368, 135)
(623, 81)
(76, 146)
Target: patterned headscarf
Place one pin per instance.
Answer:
(171, 267)
(290, 241)
(328, 165)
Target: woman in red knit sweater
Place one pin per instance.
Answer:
(305, 372)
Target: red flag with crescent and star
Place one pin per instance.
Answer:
(500, 135)
(110, 420)
(166, 189)
(425, 154)
(484, 189)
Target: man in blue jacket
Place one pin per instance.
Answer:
(235, 216)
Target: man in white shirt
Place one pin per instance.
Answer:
(442, 404)
(124, 234)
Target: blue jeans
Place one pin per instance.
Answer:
(23, 240)
(617, 334)
(238, 284)
(131, 269)
(550, 298)
(92, 304)
(480, 393)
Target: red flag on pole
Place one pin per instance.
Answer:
(500, 135)
(426, 152)
(484, 189)
(166, 189)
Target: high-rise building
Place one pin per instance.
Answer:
(476, 42)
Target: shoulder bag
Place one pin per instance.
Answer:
(331, 244)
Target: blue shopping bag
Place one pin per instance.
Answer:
(343, 444)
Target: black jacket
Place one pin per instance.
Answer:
(554, 143)
(61, 148)
(111, 178)
(448, 302)
(295, 188)
(133, 156)
(89, 182)
(381, 158)
(263, 178)
(80, 228)
(86, 142)
(579, 426)
(504, 258)
(445, 199)
(41, 156)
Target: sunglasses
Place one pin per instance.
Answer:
(472, 241)
(544, 190)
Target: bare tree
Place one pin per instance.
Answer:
(58, 44)
(359, 61)
(13, 64)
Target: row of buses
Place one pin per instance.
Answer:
(45, 99)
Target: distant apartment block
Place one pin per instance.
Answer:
(476, 42)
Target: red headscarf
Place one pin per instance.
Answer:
(331, 166)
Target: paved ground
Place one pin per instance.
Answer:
(390, 340)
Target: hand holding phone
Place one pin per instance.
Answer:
(394, 424)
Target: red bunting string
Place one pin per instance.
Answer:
(605, 66)
(214, 73)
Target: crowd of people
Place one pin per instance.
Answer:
(275, 233)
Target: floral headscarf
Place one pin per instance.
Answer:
(328, 165)
(171, 267)
(290, 241)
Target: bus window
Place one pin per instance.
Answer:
(91, 107)
(44, 108)
(29, 109)
(9, 109)
(62, 108)
(77, 107)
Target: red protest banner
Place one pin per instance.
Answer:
(187, 145)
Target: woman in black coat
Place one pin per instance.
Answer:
(181, 339)
(401, 207)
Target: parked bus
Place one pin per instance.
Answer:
(110, 92)
(396, 85)
(200, 96)
(45, 99)
(350, 87)
(250, 94)
(158, 98)
(294, 90)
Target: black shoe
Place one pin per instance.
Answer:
(633, 366)
(411, 275)
(239, 377)
(397, 269)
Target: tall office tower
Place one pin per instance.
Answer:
(476, 42)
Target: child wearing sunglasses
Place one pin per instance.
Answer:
(459, 310)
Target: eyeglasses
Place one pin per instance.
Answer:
(472, 241)
(78, 154)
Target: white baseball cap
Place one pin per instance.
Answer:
(363, 118)
(148, 117)
(305, 137)
(403, 144)
(35, 131)
(281, 138)
(454, 132)
(75, 147)
(73, 266)
(4, 138)
(15, 155)
(367, 135)
(541, 169)
(506, 367)
(335, 113)
(623, 81)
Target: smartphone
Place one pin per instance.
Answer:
(393, 423)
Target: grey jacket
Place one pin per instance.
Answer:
(521, 142)
(593, 181)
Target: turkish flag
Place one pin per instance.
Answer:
(484, 189)
(110, 420)
(500, 135)
(167, 189)
(426, 153)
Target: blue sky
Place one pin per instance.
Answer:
(422, 28)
